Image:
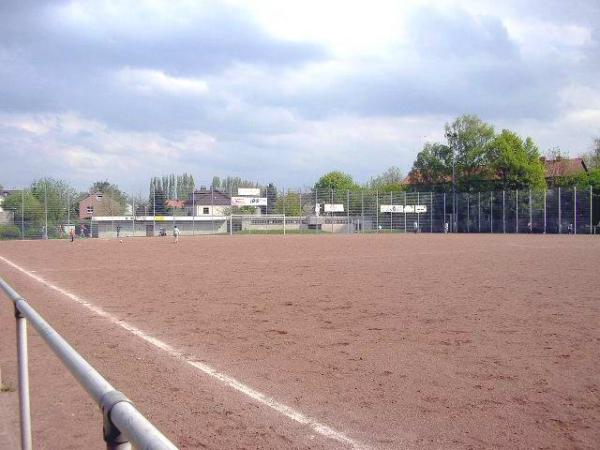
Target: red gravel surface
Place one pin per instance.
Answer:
(394, 341)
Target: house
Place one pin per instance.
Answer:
(206, 202)
(99, 204)
(563, 167)
(6, 217)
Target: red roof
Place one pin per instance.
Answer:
(173, 203)
(563, 167)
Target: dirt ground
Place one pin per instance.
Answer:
(394, 341)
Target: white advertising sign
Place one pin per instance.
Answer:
(391, 208)
(409, 209)
(421, 208)
(253, 192)
(248, 201)
(334, 207)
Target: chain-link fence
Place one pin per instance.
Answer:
(267, 210)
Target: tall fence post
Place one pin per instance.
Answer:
(377, 208)
(418, 215)
(212, 208)
(504, 211)
(479, 212)
(362, 211)
(530, 224)
(431, 212)
(132, 215)
(444, 218)
(23, 214)
(591, 206)
(468, 212)
(559, 214)
(545, 208)
(392, 214)
(348, 212)
(574, 209)
(491, 211)
(45, 236)
(516, 210)
(24, 405)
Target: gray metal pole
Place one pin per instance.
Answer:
(504, 211)
(154, 208)
(392, 214)
(479, 212)
(193, 212)
(545, 207)
(559, 214)
(418, 215)
(46, 208)
(591, 206)
(121, 413)
(491, 212)
(23, 214)
(444, 219)
(212, 207)
(377, 208)
(348, 212)
(431, 212)
(530, 226)
(24, 405)
(468, 213)
(362, 211)
(132, 215)
(516, 211)
(574, 209)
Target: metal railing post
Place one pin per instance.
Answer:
(504, 211)
(431, 212)
(362, 211)
(516, 210)
(479, 212)
(377, 208)
(591, 206)
(491, 211)
(545, 208)
(530, 226)
(574, 209)
(468, 212)
(559, 214)
(24, 404)
(123, 423)
(348, 212)
(23, 214)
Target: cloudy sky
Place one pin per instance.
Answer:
(282, 91)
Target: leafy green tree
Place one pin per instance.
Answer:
(433, 165)
(468, 136)
(517, 162)
(389, 181)
(57, 194)
(336, 180)
(25, 206)
(288, 204)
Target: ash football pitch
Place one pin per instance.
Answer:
(379, 341)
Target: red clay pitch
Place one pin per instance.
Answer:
(394, 341)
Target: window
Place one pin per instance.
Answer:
(205, 210)
(89, 209)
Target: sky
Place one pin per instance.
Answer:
(281, 91)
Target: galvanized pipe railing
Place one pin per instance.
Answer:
(123, 424)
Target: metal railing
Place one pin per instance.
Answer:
(123, 424)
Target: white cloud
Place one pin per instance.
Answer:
(149, 81)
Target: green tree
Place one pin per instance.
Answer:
(433, 166)
(336, 180)
(57, 194)
(592, 158)
(389, 181)
(517, 162)
(25, 206)
(288, 204)
(469, 137)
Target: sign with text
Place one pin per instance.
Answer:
(420, 208)
(248, 201)
(252, 192)
(391, 208)
(334, 207)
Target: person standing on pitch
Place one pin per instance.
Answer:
(72, 233)
(175, 234)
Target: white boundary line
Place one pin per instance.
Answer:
(290, 413)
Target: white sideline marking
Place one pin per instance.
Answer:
(291, 413)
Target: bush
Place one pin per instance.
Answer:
(9, 232)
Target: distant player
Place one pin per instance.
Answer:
(446, 227)
(175, 234)
(416, 227)
(72, 234)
